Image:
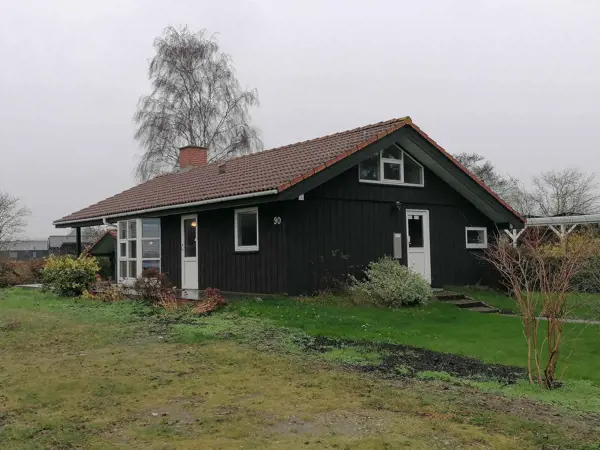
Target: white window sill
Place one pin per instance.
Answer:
(391, 183)
(253, 248)
(476, 246)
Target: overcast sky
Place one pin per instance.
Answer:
(514, 80)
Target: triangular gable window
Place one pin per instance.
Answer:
(391, 166)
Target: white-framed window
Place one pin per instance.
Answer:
(245, 225)
(138, 247)
(13, 255)
(476, 237)
(391, 166)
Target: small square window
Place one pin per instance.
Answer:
(392, 171)
(122, 230)
(246, 229)
(123, 269)
(132, 227)
(151, 228)
(476, 237)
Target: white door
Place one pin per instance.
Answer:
(189, 252)
(417, 237)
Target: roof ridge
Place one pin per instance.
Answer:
(406, 119)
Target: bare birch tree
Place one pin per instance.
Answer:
(196, 100)
(486, 172)
(12, 218)
(565, 192)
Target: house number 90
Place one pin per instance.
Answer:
(276, 220)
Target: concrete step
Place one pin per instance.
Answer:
(448, 296)
(484, 309)
(467, 303)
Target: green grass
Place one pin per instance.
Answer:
(437, 326)
(85, 374)
(580, 306)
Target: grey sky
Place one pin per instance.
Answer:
(516, 81)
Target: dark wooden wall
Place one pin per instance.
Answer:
(219, 265)
(358, 221)
(337, 229)
(170, 248)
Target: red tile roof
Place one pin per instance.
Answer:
(272, 170)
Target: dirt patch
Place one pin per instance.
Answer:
(344, 423)
(405, 360)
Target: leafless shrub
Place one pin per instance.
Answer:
(539, 278)
(212, 301)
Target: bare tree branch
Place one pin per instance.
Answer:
(196, 99)
(12, 218)
(565, 192)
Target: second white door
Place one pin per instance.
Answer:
(189, 252)
(417, 233)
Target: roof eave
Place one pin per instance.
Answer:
(90, 221)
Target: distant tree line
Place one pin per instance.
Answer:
(568, 191)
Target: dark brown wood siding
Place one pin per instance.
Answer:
(344, 224)
(220, 266)
(170, 249)
(336, 230)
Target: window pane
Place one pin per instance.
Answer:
(189, 236)
(151, 228)
(151, 248)
(123, 247)
(413, 172)
(132, 249)
(123, 269)
(475, 237)
(132, 227)
(122, 230)
(392, 152)
(150, 264)
(391, 171)
(415, 231)
(132, 269)
(246, 222)
(369, 169)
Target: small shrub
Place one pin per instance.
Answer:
(14, 272)
(152, 286)
(167, 301)
(105, 292)
(390, 284)
(69, 276)
(212, 301)
(587, 279)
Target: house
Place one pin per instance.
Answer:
(24, 249)
(105, 251)
(66, 244)
(289, 219)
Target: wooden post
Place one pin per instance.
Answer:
(78, 241)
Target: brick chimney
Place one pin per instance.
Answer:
(191, 156)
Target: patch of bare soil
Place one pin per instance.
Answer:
(406, 360)
(471, 400)
(344, 423)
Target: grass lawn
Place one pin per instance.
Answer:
(581, 306)
(85, 374)
(437, 326)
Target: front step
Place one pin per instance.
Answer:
(465, 302)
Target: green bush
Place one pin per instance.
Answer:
(587, 279)
(69, 276)
(390, 284)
